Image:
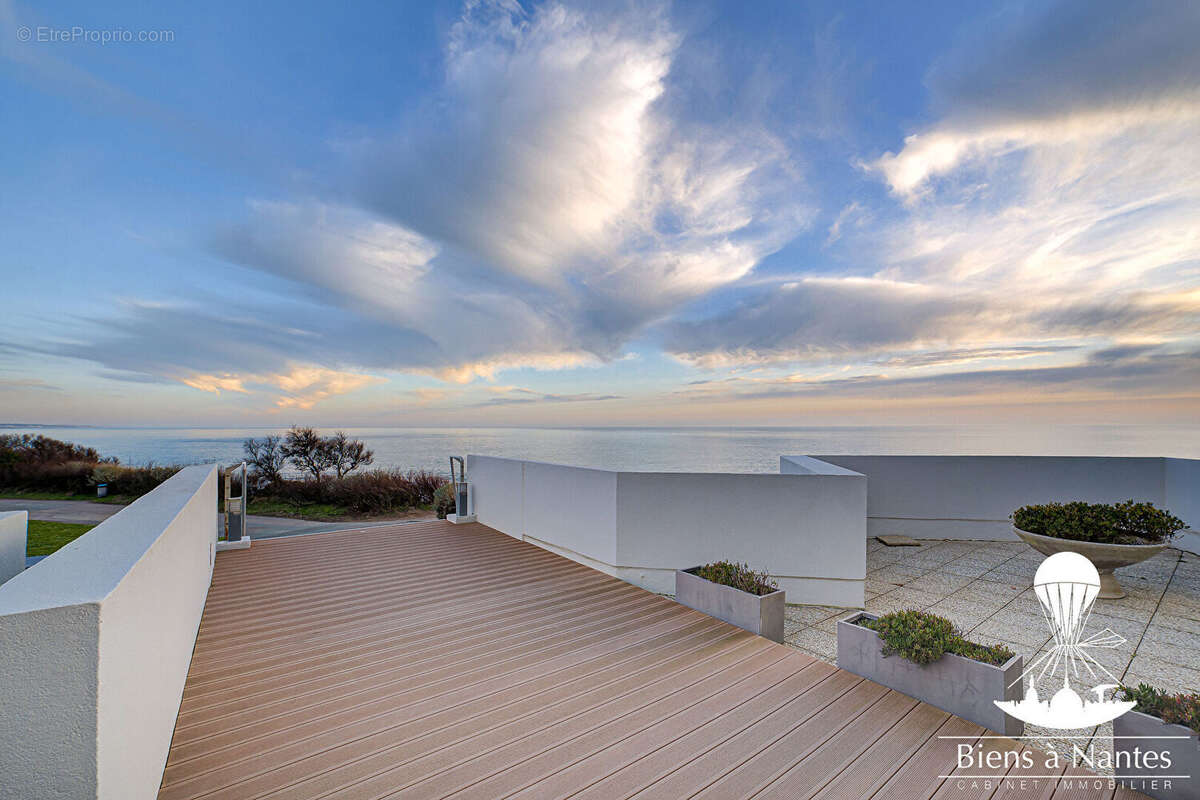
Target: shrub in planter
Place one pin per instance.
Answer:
(1101, 523)
(739, 576)
(1111, 536)
(1161, 724)
(924, 656)
(923, 638)
(736, 594)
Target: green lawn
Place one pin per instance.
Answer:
(319, 512)
(46, 537)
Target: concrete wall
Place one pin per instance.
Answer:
(807, 528)
(970, 497)
(97, 642)
(14, 527)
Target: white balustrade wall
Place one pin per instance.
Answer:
(95, 643)
(806, 526)
(971, 497)
(13, 533)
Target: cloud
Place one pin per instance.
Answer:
(1051, 206)
(517, 395)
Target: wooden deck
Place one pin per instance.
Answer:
(431, 660)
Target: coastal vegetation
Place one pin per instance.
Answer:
(301, 474)
(1100, 523)
(326, 488)
(41, 468)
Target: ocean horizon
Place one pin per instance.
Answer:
(651, 449)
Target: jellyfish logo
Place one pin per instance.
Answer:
(1066, 585)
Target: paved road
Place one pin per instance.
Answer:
(81, 511)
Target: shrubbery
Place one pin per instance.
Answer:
(1176, 709)
(38, 463)
(1104, 523)
(739, 576)
(923, 638)
(444, 502)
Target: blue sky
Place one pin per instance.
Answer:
(612, 213)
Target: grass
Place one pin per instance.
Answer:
(46, 537)
(30, 494)
(318, 512)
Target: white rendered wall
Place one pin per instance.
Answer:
(971, 497)
(97, 642)
(1181, 487)
(14, 526)
(807, 529)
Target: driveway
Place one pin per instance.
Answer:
(84, 512)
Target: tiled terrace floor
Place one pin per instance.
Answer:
(986, 589)
(430, 660)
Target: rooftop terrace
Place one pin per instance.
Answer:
(434, 660)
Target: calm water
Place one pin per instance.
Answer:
(656, 449)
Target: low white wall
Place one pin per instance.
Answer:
(14, 526)
(97, 639)
(970, 497)
(806, 528)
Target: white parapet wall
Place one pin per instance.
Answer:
(96, 643)
(14, 529)
(971, 497)
(806, 527)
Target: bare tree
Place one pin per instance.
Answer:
(348, 454)
(307, 451)
(267, 458)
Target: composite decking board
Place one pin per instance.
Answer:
(419, 657)
(971, 789)
(919, 778)
(458, 768)
(693, 731)
(354, 721)
(257, 662)
(428, 660)
(1017, 784)
(776, 733)
(381, 743)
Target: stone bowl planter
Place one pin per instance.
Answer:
(1105, 557)
(757, 613)
(955, 684)
(1130, 732)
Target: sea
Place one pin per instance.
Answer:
(682, 449)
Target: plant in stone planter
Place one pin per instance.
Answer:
(734, 593)
(1109, 535)
(924, 656)
(1160, 724)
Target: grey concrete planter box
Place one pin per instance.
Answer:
(761, 614)
(959, 685)
(1185, 756)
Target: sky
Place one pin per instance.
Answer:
(624, 213)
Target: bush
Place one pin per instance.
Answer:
(739, 576)
(130, 481)
(379, 491)
(1176, 709)
(1104, 523)
(924, 638)
(444, 502)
